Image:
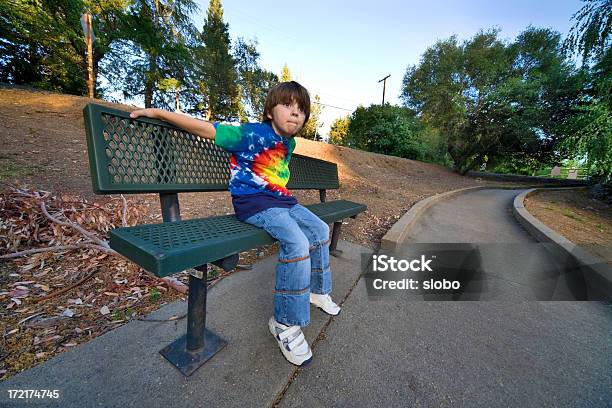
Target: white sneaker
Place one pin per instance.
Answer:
(325, 303)
(292, 342)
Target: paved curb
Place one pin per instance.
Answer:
(398, 232)
(553, 182)
(597, 274)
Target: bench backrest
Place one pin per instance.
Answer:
(149, 156)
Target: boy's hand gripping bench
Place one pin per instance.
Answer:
(149, 156)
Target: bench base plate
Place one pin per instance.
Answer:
(188, 362)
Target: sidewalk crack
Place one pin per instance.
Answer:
(296, 370)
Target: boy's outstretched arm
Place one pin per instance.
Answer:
(198, 127)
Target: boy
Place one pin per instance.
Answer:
(259, 166)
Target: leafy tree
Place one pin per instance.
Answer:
(591, 129)
(108, 23)
(339, 131)
(546, 89)
(311, 128)
(171, 85)
(253, 80)
(592, 140)
(42, 43)
(590, 35)
(285, 74)
(494, 100)
(35, 45)
(433, 145)
(387, 129)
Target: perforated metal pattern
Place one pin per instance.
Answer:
(171, 247)
(307, 172)
(168, 235)
(143, 153)
(146, 155)
(335, 210)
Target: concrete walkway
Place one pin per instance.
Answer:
(397, 352)
(377, 352)
(516, 267)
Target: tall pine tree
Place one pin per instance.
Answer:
(217, 77)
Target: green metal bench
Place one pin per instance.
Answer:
(150, 156)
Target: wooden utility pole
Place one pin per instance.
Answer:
(384, 81)
(88, 29)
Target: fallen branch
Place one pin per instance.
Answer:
(170, 319)
(89, 236)
(56, 248)
(124, 213)
(28, 318)
(172, 283)
(87, 204)
(95, 242)
(67, 288)
(175, 284)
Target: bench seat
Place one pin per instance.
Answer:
(140, 156)
(171, 247)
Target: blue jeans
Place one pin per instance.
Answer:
(303, 261)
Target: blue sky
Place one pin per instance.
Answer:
(340, 49)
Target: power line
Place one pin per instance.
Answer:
(123, 51)
(265, 25)
(332, 106)
(317, 92)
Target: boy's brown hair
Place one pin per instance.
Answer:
(287, 92)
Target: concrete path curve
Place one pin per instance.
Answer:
(393, 351)
(482, 216)
(512, 265)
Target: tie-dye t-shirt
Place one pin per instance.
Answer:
(259, 167)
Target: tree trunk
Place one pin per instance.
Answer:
(91, 83)
(96, 62)
(209, 111)
(150, 82)
(148, 94)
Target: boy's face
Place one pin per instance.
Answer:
(287, 119)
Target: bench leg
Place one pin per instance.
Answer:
(334, 240)
(190, 351)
